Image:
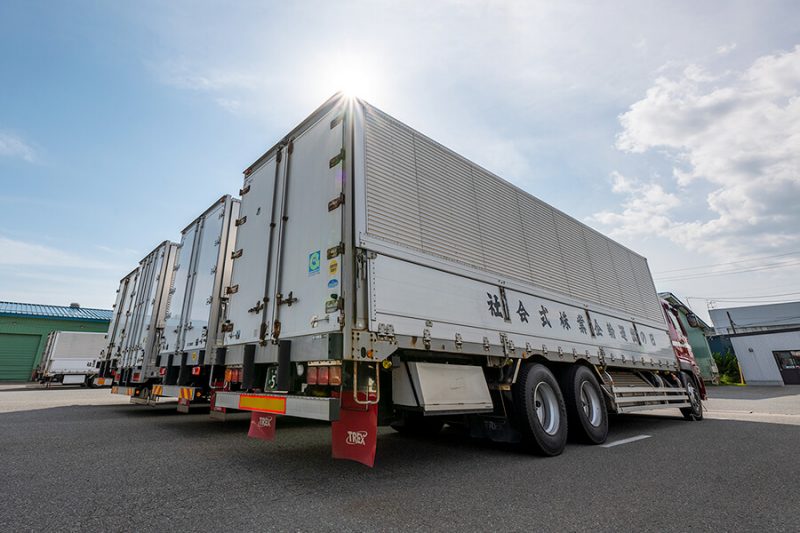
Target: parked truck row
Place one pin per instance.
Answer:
(370, 276)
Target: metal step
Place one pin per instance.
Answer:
(641, 398)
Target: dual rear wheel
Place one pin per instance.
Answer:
(549, 411)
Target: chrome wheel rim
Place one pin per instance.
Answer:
(694, 397)
(590, 402)
(545, 402)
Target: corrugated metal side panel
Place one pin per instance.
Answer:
(447, 199)
(501, 226)
(627, 279)
(539, 229)
(576, 258)
(647, 290)
(392, 197)
(608, 287)
(425, 197)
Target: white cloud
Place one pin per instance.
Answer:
(737, 134)
(26, 254)
(13, 146)
(726, 48)
(35, 273)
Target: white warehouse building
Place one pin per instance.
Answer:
(766, 340)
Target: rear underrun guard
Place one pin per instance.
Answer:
(354, 424)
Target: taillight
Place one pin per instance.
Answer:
(162, 371)
(335, 378)
(136, 376)
(196, 370)
(311, 375)
(228, 375)
(322, 375)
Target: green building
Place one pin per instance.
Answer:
(695, 329)
(24, 329)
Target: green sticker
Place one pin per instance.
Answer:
(314, 263)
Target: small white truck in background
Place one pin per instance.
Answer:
(70, 358)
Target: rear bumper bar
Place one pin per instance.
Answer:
(124, 391)
(326, 409)
(176, 391)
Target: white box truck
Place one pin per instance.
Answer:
(133, 358)
(70, 358)
(381, 278)
(191, 336)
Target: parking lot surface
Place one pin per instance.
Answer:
(76, 459)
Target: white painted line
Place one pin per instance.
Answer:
(625, 441)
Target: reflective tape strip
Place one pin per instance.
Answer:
(114, 389)
(264, 404)
(158, 390)
(186, 393)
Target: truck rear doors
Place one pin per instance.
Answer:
(286, 278)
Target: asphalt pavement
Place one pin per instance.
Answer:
(97, 463)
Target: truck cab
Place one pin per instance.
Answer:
(681, 347)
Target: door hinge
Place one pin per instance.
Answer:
(244, 190)
(335, 251)
(237, 253)
(233, 289)
(336, 202)
(258, 307)
(240, 221)
(226, 327)
(335, 160)
(289, 300)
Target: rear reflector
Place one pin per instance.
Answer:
(335, 378)
(311, 375)
(136, 376)
(196, 370)
(162, 371)
(322, 375)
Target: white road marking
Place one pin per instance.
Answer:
(625, 441)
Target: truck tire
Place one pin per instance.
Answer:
(415, 424)
(695, 412)
(541, 413)
(586, 408)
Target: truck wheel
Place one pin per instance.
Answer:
(695, 412)
(540, 410)
(418, 425)
(586, 408)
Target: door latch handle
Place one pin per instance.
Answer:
(289, 300)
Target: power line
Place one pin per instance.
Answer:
(753, 258)
(743, 297)
(728, 272)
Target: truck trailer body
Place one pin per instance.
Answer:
(133, 358)
(379, 277)
(117, 329)
(70, 357)
(194, 309)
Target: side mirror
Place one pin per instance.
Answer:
(691, 318)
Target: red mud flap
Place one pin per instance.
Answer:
(216, 412)
(262, 426)
(183, 405)
(355, 434)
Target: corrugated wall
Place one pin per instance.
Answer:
(425, 197)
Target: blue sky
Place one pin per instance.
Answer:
(671, 126)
